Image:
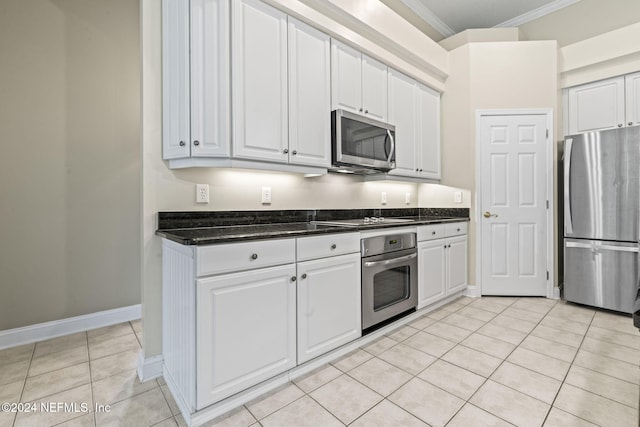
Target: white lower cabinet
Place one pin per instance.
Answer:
(328, 304)
(245, 329)
(442, 263)
(431, 272)
(456, 264)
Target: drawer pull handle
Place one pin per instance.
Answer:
(304, 275)
(333, 246)
(254, 256)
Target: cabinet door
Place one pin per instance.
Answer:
(632, 96)
(346, 78)
(456, 264)
(329, 304)
(209, 78)
(259, 84)
(596, 106)
(309, 95)
(402, 113)
(428, 132)
(246, 330)
(175, 79)
(374, 88)
(431, 272)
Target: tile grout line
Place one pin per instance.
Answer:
(567, 374)
(24, 383)
(498, 367)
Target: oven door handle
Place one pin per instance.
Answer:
(390, 261)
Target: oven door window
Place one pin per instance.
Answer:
(390, 287)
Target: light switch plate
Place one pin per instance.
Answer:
(407, 198)
(457, 196)
(266, 195)
(383, 197)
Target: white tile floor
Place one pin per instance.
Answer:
(475, 362)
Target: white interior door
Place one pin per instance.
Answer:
(513, 204)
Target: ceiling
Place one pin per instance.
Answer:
(453, 16)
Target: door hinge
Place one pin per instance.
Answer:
(547, 133)
(547, 275)
(547, 204)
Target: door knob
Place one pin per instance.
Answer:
(489, 215)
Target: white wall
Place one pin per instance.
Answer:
(492, 75)
(70, 162)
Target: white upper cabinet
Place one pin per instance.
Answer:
(259, 84)
(428, 132)
(195, 78)
(374, 88)
(632, 96)
(596, 106)
(414, 109)
(358, 83)
(309, 95)
(402, 114)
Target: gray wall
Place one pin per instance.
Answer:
(70, 160)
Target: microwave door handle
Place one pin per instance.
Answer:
(393, 146)
(390, 261)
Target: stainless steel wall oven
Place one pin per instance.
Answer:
(389, 277)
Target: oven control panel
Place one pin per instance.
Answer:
(390, 243)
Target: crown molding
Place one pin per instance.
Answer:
(429, 17)
(535, 13)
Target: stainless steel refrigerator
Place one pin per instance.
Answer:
(601, 205)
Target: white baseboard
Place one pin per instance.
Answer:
(556, 292)
(472, 291)
(57, 328)
(149, 368)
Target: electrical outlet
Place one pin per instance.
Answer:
(457, 196)
(407, 198)
(202, 193)
(266, 195)
(383, 197)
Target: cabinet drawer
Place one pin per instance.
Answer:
(456, 229)
(225, 258)
(329, 245)
(430, 232)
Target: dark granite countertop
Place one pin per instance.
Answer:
(205, 228)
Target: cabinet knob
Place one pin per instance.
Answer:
(420, 170)
(293, 278)
(304, 276)
(285, 151)
(445, 246)
(433, 233)
(366, 111)
(630, 123)
(449, 246)
(619, 125)
(417, 170)
(457, 229)
(254, 256)
(361, 110)
(294, 152)
(181, 143)
(333, 246)
(196, 142)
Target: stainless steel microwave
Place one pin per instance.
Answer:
(361, 144)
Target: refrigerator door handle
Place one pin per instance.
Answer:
(605, 247)
(568, 226)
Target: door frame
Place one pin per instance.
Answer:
(552, 291)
